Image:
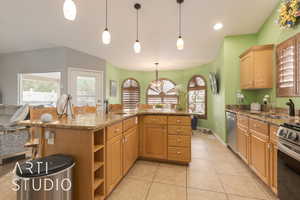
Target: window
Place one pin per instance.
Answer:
(288, 67)
(197, 96)
(165, 94)
(130, 93)
(85, 86)
(39, 88)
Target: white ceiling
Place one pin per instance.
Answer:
(33, 24)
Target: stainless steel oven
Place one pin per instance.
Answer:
(289, 162)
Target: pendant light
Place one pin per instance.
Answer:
(106, 38)
(137, 45)
(69, 9)
(180, 42)
(156, 83)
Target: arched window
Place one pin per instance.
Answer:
(164, 94)
(197, 96)
(130, 93)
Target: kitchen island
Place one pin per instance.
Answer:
(105, 146)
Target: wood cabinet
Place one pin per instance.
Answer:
(130, 149)
(243, 143)
(257, 146)
(114, 162)
(259, 156)
(256, 68)
(273, 157)
(166, 138)
(259, 153)
(121, 151)
(155, 141)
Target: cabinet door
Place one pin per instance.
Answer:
(114, 154)
(155, 141)
(246, 71)
(243, 144)
(263, 71)
(130, 149)
(273, 167)
(260, 156)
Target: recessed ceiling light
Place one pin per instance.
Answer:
(218, 26)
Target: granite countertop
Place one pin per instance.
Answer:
(264, 116)
(98, 120)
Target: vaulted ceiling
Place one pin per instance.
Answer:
(33, 24)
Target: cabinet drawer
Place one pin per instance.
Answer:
(179, 154)
(114, 130)
(155, 119)
(273, 134)
(179, 141)
(243, 120)
(179, 130)
(129, 123)
(179, 120)
(259, 126)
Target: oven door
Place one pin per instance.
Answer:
(288, 171)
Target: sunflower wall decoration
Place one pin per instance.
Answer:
(288, 13)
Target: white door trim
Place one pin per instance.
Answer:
(72, 69)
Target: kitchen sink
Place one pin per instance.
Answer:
(277, 116)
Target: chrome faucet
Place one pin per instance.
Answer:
(291, 105)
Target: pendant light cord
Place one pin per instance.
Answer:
(106, 14)
(137, 24)
(179, 19)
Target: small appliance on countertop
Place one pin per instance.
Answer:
(255, 107)
(288, 161)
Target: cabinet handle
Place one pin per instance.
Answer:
(178, 153)
(178, 120)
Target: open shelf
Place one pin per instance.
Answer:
(98, 147)
(98, 165)
(99, 162)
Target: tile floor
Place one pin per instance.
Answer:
(214, 174)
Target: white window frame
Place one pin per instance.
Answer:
(20, 84)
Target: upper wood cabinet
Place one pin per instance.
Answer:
(288, 67)
(256, 68)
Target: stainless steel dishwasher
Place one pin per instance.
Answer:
(231, 131)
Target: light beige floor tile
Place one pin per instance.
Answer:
(232, 168)
(130, 189)
(171, 175)
(204, 180)
(143, 172)
(160, 191)
(234, 197)
(243, 186)
(202, 165)
(195, 194)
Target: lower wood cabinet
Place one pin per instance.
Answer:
(114, 162)
(130, 149)
(155, 141)
(259, 156)
(273, 167)
(257, 146)
(243, 143)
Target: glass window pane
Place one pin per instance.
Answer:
(86, 90)
(39, 88)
